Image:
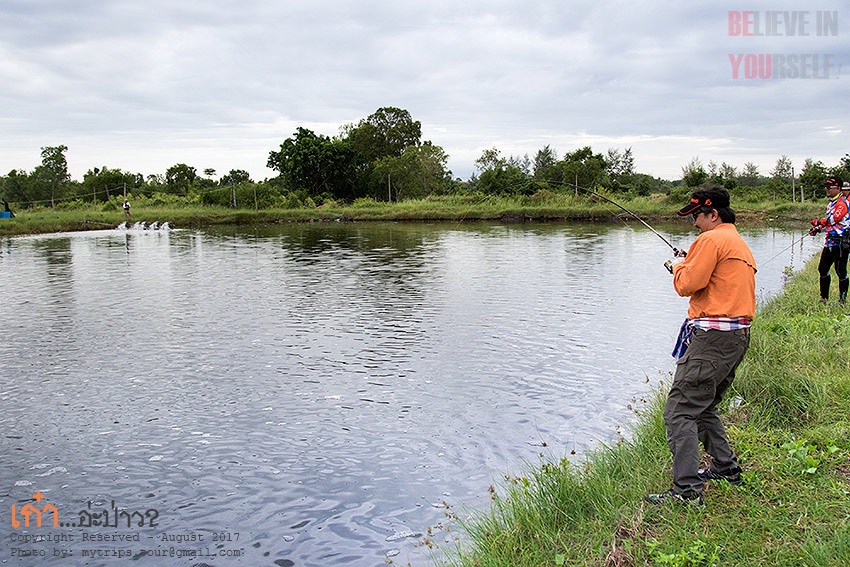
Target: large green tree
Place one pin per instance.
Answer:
(781, 175)
(18, 187)
(843, 168)
(235, 176)
(502, 176)
(694, 173)
(433, 172)
(619, 163)
(99, 184)
(783, 168)
(386, 132)
(383, 134)
(315, 164)
(812, 178)
(545, 163)
(418, 172)
(582, 167)
(52, 175)
(750, 175)
(179, 177)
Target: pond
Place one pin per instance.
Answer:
(316, 394)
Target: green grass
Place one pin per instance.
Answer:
(544, 205)
(791, 429)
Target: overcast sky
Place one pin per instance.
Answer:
(142, 85)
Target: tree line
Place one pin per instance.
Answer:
(383, 157)
(784, 181)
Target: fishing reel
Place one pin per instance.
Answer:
(677, 254)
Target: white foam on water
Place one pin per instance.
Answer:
(142, 226)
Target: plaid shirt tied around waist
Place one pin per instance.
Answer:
(706, 324)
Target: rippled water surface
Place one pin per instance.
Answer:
(317, 394)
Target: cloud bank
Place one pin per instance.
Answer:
(143, 86)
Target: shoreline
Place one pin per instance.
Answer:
(41, 221)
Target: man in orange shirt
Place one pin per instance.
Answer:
(718, 274)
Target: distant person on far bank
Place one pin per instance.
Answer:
(836, 224)
(718, 274)
(126, 208)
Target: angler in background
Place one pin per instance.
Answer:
(7, 212)
(836, 224)
(718, 274)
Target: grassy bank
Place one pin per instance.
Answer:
(540, 206)
(790, 425)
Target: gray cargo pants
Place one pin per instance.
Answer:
(702, 376)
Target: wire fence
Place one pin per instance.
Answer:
(108, 192)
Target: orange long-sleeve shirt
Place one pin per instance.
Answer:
(718, 275)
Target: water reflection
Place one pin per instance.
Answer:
(323, 389)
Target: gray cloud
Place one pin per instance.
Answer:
(145, 85)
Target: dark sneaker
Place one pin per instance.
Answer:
(732, 477)
(671, 497)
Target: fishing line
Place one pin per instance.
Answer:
(469, 210)
(784, 250)
(676, 251)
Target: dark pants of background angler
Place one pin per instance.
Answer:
(702, 376)
(833, 255)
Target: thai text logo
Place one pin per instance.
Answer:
(34, 516)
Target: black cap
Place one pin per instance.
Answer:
(833, 181)
(708, 199)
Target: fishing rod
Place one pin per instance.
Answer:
(676, 251)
